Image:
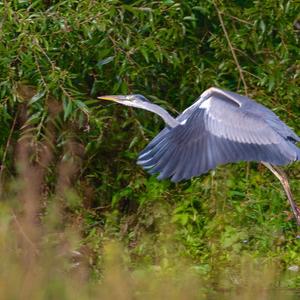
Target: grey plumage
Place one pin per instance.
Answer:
(220, 127)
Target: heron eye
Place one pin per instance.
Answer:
(142, 98)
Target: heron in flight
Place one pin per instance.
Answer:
(219, 127)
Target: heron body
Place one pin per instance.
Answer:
(219, 128)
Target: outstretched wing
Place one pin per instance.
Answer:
(219, 128)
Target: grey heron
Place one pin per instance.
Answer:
(219, 127)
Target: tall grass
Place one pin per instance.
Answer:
(43, 257)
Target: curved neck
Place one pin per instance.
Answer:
(169, 120)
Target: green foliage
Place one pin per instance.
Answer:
(56, 57)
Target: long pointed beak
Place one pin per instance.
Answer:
(114, 98)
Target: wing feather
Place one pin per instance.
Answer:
(221, 131)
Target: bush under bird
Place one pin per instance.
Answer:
(219, 127)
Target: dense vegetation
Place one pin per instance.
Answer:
(69, 183)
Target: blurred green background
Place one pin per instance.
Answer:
(70, 188)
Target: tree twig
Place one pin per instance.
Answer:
(232, 49)
(23, 233)
(6, 149)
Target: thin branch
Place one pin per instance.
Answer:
(237, 19)
(232, 49)
(23, 233)
(6, 149)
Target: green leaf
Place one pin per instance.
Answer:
(105, 61)
(37, 97)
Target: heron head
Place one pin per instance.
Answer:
(134, 100)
